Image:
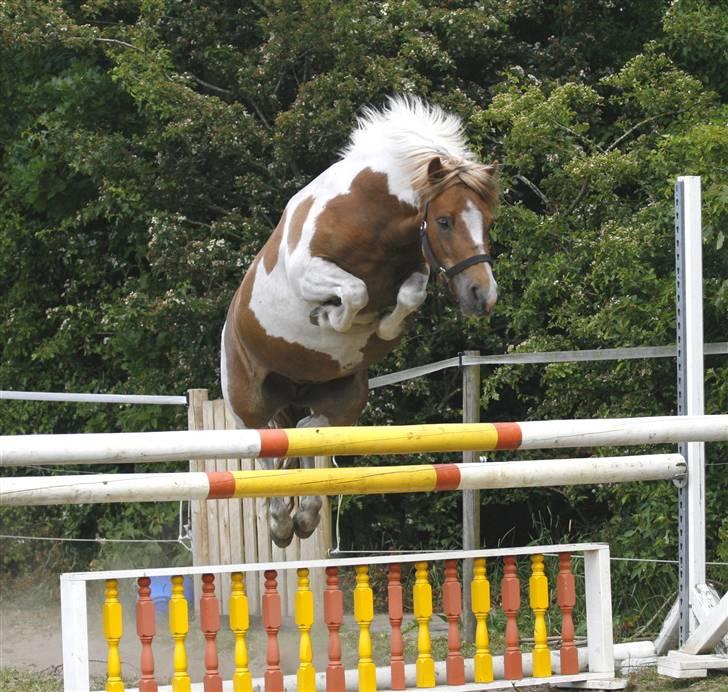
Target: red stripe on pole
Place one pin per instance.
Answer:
(222, 485)
(447, 476)
(509, 435)
(273, 443)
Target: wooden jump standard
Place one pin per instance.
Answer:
(103, 448)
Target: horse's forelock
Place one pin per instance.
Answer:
(475, 176)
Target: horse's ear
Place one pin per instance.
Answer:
(435, 170)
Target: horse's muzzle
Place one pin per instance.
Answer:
(475, 299)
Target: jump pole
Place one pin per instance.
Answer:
(105, 448)
(221, 485)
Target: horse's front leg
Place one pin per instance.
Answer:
(279, 511)
(411, 295)
(308, 516)
(342, 295)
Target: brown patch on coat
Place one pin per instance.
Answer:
(269, 253)
(297, 220)
(373, 235)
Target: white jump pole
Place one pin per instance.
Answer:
(161, 487)
(111, 448)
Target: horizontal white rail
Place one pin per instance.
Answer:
(104, 448)
(91, 398)
(163, 487)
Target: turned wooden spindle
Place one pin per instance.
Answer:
(566, 598)
(480, 599)
(364, 614)
(396, 614)
(538, 588)
(113, 630)
(179, 627)
(210, 626)
(239, 624)
(271, 601)
(146, 625)
(452, 605)
(422, 596)
(334, 617)
(511, 598)
(306, 676)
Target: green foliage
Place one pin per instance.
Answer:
(148, 148)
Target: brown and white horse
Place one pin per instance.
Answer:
(348, 263)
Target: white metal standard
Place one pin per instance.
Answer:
(689, 273)
(104, 448)
(164, 487)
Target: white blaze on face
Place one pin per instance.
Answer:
(472, 218)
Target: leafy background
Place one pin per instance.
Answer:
(149, 146)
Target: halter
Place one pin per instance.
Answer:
(434, 262)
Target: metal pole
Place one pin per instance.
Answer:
(690, 381)
(471, 498)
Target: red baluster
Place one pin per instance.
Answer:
(272, 623)
(511, 598)
(396, 613)
(210, 626)
(566, 598)
(334, 616)
(146, 629)
(452, 604)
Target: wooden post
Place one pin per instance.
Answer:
(471, 498)
(113, 630)
(334, 617)
(566, 596)
(396, 614)
(146, 629)
(210, 625)
(239, 624)
(179, 625)
(422, 601)
(272, 623)
(452, 602)
(364, 614)
(196, 399)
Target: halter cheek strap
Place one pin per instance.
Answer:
(434, 262)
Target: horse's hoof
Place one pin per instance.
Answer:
(308, 516)
(305, 523)
(280, 523)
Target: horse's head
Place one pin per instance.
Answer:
(459, 210)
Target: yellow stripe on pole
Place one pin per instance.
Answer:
(397, 439)
(360, 481)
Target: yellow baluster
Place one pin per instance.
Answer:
(113, 630)
(539, 595)
(364, 614)
(304, 619)
(179, 626)
(480, 598)
(239, 624)
(425, 665)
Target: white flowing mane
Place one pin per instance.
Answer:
(412, 132)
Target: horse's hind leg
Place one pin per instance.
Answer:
(308, 516)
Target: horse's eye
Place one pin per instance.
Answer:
(444, 223)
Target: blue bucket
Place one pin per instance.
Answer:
(161, 588)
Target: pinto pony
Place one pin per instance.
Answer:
(348, 263)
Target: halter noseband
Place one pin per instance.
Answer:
(434, 262)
